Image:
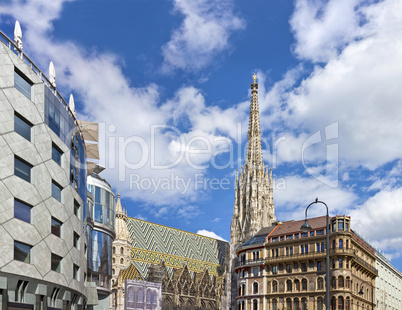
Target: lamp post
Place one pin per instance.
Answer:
(307, 227)
(361, 293)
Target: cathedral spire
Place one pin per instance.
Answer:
(254, 152)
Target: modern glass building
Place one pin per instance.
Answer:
(101, 233)
(43, 262)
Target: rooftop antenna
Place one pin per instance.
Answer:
(52, 74)
(72, 105)
(18, 35)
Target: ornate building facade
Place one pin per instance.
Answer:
(254, 204)
(291, 273)
(190, 267)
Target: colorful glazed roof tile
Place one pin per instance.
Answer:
(131, 273)
(153, 243)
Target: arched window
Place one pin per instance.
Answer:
(333, 304)
(296, 305)
(274, 286)
(121, 261)
(274, 304)
(341, 243)
(255, 304)
(340, 303)
(121, 250)
(114, 250)
(113, 271)
(320, 283)
(320, 303)
(297, 285)
(333, 282)
(255, 288)
(304, 284)
(347, 282)
(289, 285)
(113, 260)
(341, 282)
(289, 303)
(347, 303)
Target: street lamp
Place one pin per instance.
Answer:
(361, 293)
(306, 227)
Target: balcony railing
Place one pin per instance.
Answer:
(250, 262)
(366, 265)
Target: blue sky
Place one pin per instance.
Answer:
(169, 83)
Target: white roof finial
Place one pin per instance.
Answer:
(52, 74)
(18, 35)
(72, 105)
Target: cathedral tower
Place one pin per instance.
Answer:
(254, 204)
(121, 253)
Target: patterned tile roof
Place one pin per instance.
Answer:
(153, 243)
(131, 273)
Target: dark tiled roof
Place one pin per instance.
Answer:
(259, 237)
(291, 227)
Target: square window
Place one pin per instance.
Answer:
(76, 271)
(22, 169)
(56, 191)
(56, 227)
(56, 263)
(77, 209)
(22, 127)
(275, 270)
(22, 252)
(303, 267)
(22, 84)
(76, 240)
(56, 154)
(311, 233)
(22, 211)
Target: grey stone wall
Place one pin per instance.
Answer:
(42, 281)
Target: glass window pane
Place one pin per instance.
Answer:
(22, 127)
(56, 227)
(22, 85)
(56, 155)
(56, 191)
(22, 252)
(22, 169)
(55, 262)
(22, 211)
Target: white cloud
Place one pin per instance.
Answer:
(188, 212)
(321, 28)
(204, 33)
(292, 194)
(358, 87)
(210, 234)
(129, 148)
(378, 219)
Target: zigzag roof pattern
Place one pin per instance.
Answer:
(153, 243)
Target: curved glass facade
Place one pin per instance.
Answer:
(103, 211)
(101, 260)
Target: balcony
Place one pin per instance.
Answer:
(250, 262)
(343, 251)
(362, 263)
(297, 256)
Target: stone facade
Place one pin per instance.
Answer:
(189, 267)
(254, 205)
(388, 291)
(291, 274)
(42, 240)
